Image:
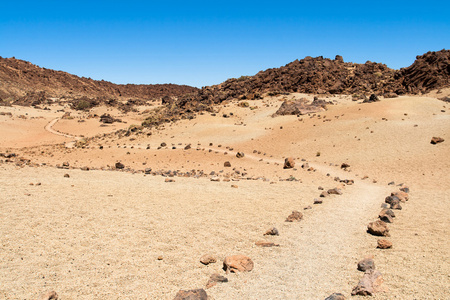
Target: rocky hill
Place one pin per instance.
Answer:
(22, 82)
(326, 76)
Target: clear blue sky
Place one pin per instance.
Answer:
(205, 42)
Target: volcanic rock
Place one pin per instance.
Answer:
(198, 294)
(119, 165)
(378, 228)
(369, 284)
(289, 163)
(299, 107)
(366, 264)
(272, 231)
(266, 244)
(294, 216)
(208, 259)
(384, 244)
(51, 295)
(436, 140)
(335, 296)
(214, 279)
(237, 263)
(402, 196)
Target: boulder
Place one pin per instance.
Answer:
(208, 259)
(294, 216)
(378, 228)
(384, 244)
(198, 294)
(436, 140)
(237, 263)
(366, 264)
(289, 163)
(370, 284)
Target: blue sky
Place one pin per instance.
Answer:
(201, 43)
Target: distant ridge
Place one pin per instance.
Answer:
(23, 83)
(19, 78)
(326, 76)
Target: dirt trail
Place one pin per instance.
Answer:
(319, 254)
(49, 128)
(323, 249)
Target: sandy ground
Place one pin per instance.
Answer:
(98, 234)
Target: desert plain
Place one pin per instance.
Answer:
(73, 221)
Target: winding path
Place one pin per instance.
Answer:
(49, 128)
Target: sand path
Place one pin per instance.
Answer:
(49, 128)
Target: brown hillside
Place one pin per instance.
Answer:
(322, 75)
(19, 78)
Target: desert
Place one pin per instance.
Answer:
(261, 187)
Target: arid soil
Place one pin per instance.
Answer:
(111, 231)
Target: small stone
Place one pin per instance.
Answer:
(187, 147)
(272, 231)
(402, 196)
(395, 204)
(317, 201)
(214, 279)
(345, 166)
(324, 194)
(208, 259)
(366, 264)
(334, 191)
(436, 140)
(384, 244)
(335, 296)
(234, 186)
(294, 216)
(160, 257)
(227, 164)
(386, 215)
(169, 180)
(266, 244)
(51, 295)
(147, 171)
(404, 189)
(240, 154)
(378, 228)
(369, 284)
(238, 263)
(85, 169)
(66, 175)
(289, 163)
(199, 294)
(120, 166)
